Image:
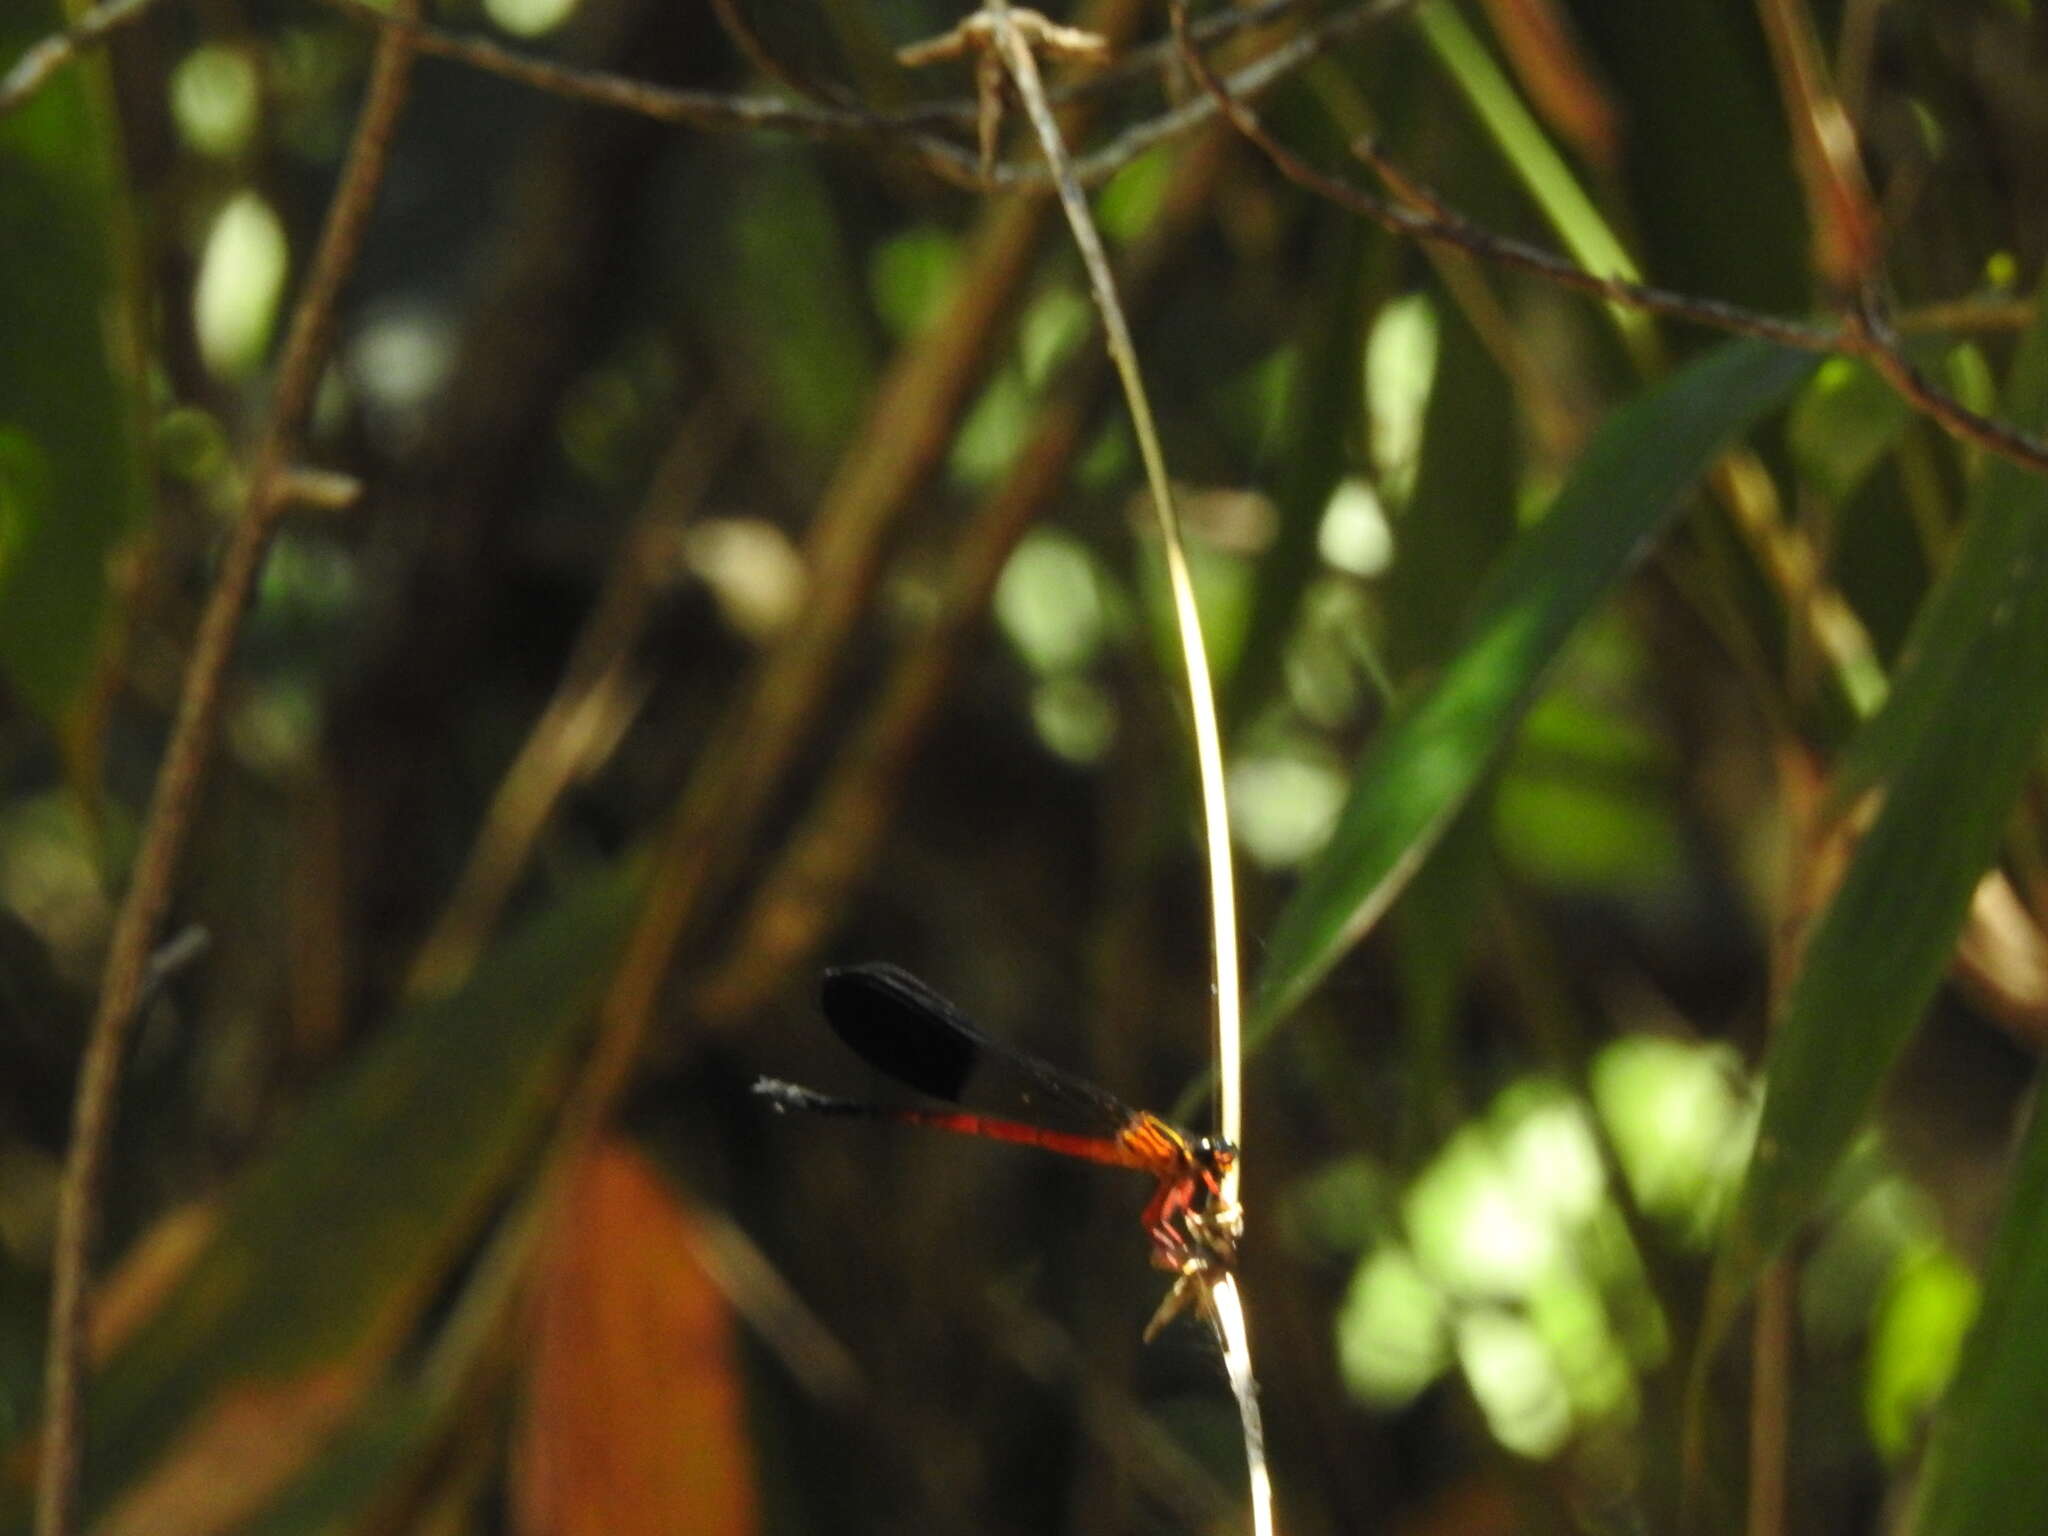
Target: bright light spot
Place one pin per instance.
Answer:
(1283, 805)
(911, 274)
(1515, 1382)
(398, 361)
(1055, 324)
(1681, 1125)
(1915, 1343)
(1353, 535)
(1050, 603)
(241, 279)
(1134, 196)
(214, 96)
(1571, 1319)
(529, 18)
(993, 431)
(753, 571)
(1400, 367)
(1074, 717)
(275, 727)
(1391, 1338)
(1551, 1157)
(1473, 1230)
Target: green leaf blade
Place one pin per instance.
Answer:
(1985, 1471)
(1417, 774)
(1949, 753)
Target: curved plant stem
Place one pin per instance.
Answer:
(1215, 1292)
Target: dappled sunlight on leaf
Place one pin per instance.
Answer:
(529, 18)
(1400, 366)
(1050, 603)
(1354, 535)
(1917, 1338)
(1472, 1230)
(215, 98)
(1681, 1121)
(1515, 1380)
(1075, 718)
(1391, 1335)
(241, 283)
(1283, 803)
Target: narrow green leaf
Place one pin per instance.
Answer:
(70, 469)
(1985, 1470)
(1417, 774)
(331, 1245)
(1951, 747)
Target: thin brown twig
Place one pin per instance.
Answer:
(956, 163)
(1421, 215)
(709, 110)
(1869, 335)
(1770, 1394)
(174, 800)
(1967, 315)
(41, 60)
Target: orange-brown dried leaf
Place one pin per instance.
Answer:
(634, 1417)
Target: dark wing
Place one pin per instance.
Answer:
(900, 1026)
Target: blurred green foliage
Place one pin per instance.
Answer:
(1623, 722)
